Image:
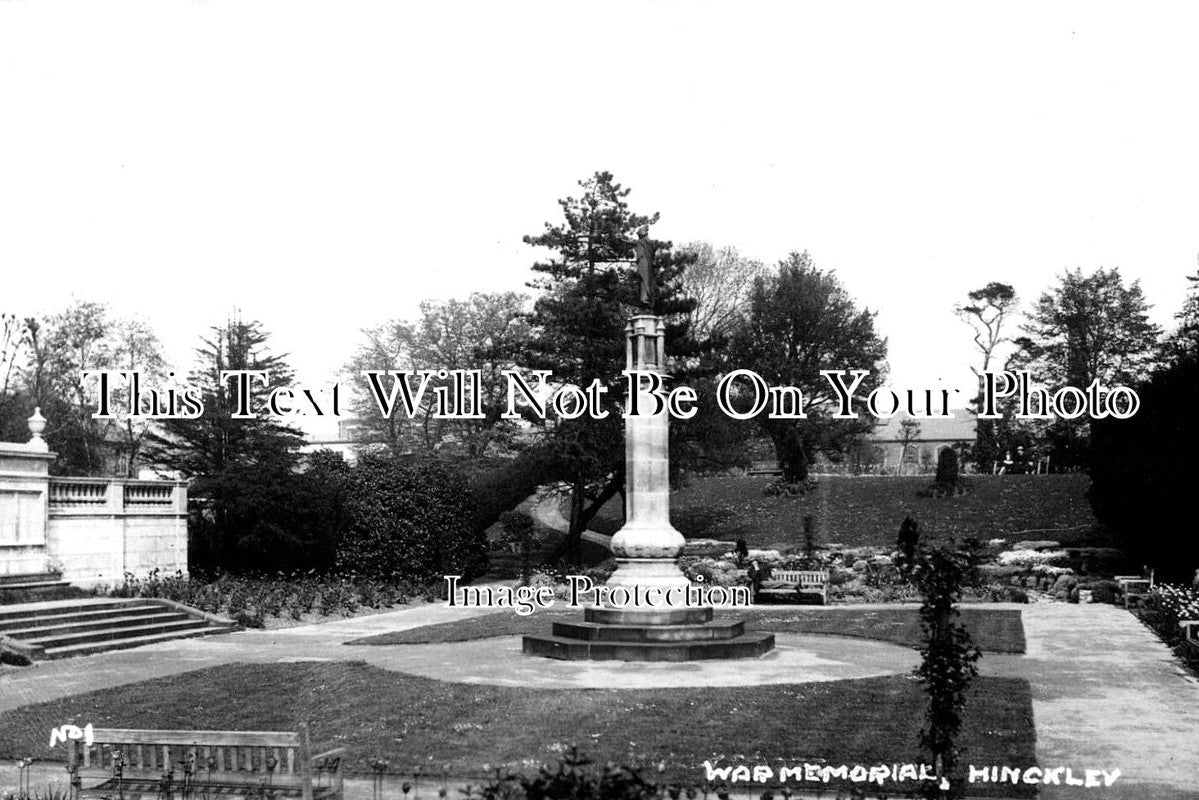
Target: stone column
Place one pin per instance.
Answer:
(24, 502)
(647, 548)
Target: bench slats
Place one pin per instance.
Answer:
(805, 581)
(217, 738)
(802, 577)
(229, 762)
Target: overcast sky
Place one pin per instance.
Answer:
(325, 166)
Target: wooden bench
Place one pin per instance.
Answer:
(1190, 634)
(797, 581)
(1134, 587)
(205, 764)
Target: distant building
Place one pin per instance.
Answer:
(882, 451)
(889, 453)
(345, 442)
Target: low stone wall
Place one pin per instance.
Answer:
(99, 529)
(91, 530)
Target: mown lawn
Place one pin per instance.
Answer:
(993, 630)
(410, 720)
(860, 511)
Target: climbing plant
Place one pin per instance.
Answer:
(949, 657)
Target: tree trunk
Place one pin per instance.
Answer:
(573, 541)
(790, 451)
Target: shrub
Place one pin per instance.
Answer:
(255, 518)
(251, 618)
(1142, 473)
(1012, 594)
(573, 778)
(10, 655)
(785, 488)
(947, 467)
(517, 527)
(1103, 591)
(411, 520)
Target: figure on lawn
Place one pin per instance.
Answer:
(909, 539)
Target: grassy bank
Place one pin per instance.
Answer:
(860, 511)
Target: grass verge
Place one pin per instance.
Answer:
(410, 720)
(993, 630)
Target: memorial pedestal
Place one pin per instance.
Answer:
(647, 551)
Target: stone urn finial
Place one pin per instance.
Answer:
(37, 424)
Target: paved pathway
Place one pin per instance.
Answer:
(50, 680)
(1106, 693)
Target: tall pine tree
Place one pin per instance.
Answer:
(248, 501)
(589, 288)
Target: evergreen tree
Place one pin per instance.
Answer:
(589, 289)
(1090, 327)
(249, 503)
(1087, 328)
(801, 320)
(1184, 340)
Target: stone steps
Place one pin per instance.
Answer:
(44, 631)
(668, 634)
(16, 617)
(596, 632)
(31, 585)
(665, 616)
(90, 648)
(34, 577)
(748, 645)
(68, 628)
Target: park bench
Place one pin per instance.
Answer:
(204, 765)
(1134, 587)
(1190, 634)
(792, 582)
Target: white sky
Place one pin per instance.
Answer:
(326, 165)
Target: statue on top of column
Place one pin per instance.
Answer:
(644, 247)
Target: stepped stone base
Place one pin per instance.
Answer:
(685, 634)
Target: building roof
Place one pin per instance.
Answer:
(958, 428)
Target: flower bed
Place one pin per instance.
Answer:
(254, 601)
(1166, 606)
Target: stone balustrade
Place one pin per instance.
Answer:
(116, 495)
(91, 530)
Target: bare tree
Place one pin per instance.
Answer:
(986, 312)
(988, 309)
(719, 281)
(484, 332)
(14, 334)
(909, 431)
(135, 347)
